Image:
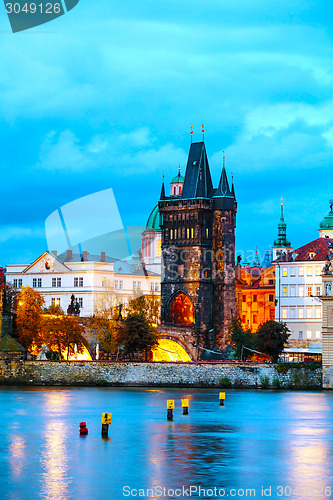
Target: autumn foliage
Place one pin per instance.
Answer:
(29, 319)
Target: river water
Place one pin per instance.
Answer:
(261, 444)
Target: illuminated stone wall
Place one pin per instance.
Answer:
(159, 375)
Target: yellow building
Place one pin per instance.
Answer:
(255, 295)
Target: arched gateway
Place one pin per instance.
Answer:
(180, 310)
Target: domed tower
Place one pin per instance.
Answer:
(176, 185)
(152, 236)
(281, 244)
(326, 225)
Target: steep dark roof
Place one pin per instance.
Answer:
(319, 247)
(8, 344)
(223, 188)
(119, 266)
(198, 181)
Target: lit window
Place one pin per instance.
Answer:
(171, 234)
(318, 312)
(301, 271)
(301, 312)
(309, 334)
(301, 291)
(318, 290)
(158, 248)
(284, 291)
(55, 302)
(206, 232)
(311, 255)
(318, 271)
(192, 232)
(309, 291)
(284, 271)
(309, 271)
(309, 312)
(187, 233)
(284, 313)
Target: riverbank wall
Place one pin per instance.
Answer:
(224, 375)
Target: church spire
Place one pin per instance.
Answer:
(281, 243)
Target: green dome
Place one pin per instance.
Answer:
(153, 221)
(327, 222)
(178, 178)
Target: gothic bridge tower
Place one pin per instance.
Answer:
(198, 255)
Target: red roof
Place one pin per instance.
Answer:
(316, 250)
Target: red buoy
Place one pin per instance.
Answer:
(83, 429)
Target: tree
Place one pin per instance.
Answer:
(53, 309)
(107, 330)
(136, 334)
(61, 333)
(271, 338)
(147, 305)
(241, 338)
(29, 319)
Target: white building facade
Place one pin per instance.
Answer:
(299, 283)
(89, 278)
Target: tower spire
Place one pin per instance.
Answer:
(162, 197)
(203, 132)
(281, 243)
(191, 133)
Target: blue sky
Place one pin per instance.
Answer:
(104, 97)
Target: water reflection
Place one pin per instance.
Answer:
(54, 457)
(17, 454)
(309, 446)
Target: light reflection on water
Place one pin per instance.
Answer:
(258, 439)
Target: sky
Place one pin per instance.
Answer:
(104, 97)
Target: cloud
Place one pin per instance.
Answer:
(127, 154)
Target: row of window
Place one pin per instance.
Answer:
(37, 282)
(309, 270)
(301, 290)
(255, 317)
(309, 334)
(57, 301)
(261, 297)
(137, 285)
(185, 233)
(293, 312)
